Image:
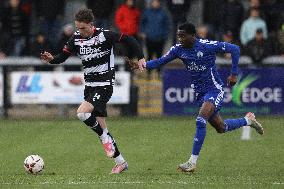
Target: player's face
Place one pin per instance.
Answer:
(185, 39)
(85, 29)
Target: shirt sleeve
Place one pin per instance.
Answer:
(169, 56)
(67, 50)
(132, 44)
(224, 47)
(69, 47)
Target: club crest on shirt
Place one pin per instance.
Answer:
(199, 54)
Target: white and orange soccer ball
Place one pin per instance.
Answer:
(34, 164)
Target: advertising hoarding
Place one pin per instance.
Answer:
(258, 90)
(60, 88)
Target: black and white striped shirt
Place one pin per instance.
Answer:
(96, 53)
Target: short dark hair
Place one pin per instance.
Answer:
(187, 27)
(84, 15)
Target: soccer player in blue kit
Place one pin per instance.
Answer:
(199, 55)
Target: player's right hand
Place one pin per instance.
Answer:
(136, 64)
(46, 56)
(232, 80)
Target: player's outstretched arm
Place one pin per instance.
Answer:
(46, 56)
(136, 58)
(233, 49)
(235, 54)
(58, 59)
(168, 57)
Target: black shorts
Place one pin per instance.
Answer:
(98, 97)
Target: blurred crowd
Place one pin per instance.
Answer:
(257, 26)
(28, 27)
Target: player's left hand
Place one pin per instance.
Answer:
(232, 80)
(136, 64)
(141, 64)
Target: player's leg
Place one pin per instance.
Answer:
(93, 112)
(231, 124)
(251, 121)
(227, 125)
(111, 149)
(206, 110)
(217, 122)
(86, 114)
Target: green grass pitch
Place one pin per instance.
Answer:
(153, 147)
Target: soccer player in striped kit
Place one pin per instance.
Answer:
(94, 46)
(199, 55)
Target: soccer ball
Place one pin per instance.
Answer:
(33, 164)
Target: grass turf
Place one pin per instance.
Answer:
(153, 148)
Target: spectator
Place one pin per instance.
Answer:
(67, 32)
(280, 40)
(254, 4)
(15, 23)
(40, 45)
(211, 15)
(154, 31)
(202, 32)
(3, 4)
(229, 38)
(178, 10)
(273, 12)
(127, 18)
(259, 47)
(6, 46)
(250, 25)
(102, 10)
(50, 14)
(232, 14)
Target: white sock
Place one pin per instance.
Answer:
(248, 121)
(104, 137)
(119, 160)
(193, 158)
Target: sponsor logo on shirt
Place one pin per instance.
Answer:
(90, 53)
(194, 67)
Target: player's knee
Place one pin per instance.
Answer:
(220, 129)
(83, 116)
(200, 122)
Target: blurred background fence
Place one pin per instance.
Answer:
(28, 90)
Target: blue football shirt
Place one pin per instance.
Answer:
(200, 62)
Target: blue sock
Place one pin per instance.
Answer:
(232, 124)
(199, 135)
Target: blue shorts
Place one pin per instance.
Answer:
(215, 97)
